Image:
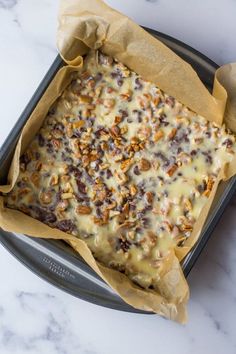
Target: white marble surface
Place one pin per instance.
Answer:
(35, 317)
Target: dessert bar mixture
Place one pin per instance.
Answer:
(123, 166)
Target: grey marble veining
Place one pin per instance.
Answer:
(7, 4)
(37, 318)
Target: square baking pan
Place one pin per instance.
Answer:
(58, 263)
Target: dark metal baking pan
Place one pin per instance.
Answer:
(55, 261)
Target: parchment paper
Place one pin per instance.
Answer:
(85, 24)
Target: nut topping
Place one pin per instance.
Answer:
(122, 165)
(83, 209)
(144, 165)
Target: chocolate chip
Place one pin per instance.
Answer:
(99, 131)
(37, 155)
(162, 120)
(109, 173)
(228, 143)
(170, 101)
(123, 244)
(120, 81)
(165, 193)
(98, 212)
(98, 203)
(81, 187)
(21, 184)
(41, 140)
(66, 158)
(65, 225)
(75, 170)
(145, 222)
(138, 84)
(137, 115)
(208, 157)
(114, 74)
(193, 153)
(59, 126)
(43, 215)
(51, 111)
(124, 114)
(98, 77)
(136, 171)
(25, 159)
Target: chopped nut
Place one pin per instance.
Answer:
(102, 221)
(125, 209)
(38, 165)
(155, 165)
(156, 100)
(83, 209)
(117, 120)
(144, 133)
(198, 140)
(134, 140)
(101, 195)
(123, 69)
(124, 130)
(186, 227)
(64, 178)
(56, 143)
(54, 180)
(183, 120)
(112, 205)
(158, 135)
(175, 231)
(35, 178)
(172, 134)
(78, 124)
(144, 165)
(115, 131)
(23, 191)
(85, 160)
(45, 197)
(66, 195)
(69, 130)
(187, 204)
(104, 166)
(133, 190)
(144, 101)
(125, 165)
(109, 102)
(171, 170)
(167, 226)
(118, 157)
(104, 146)
(85, 99)
(184, 158)
(209, 185)
(57, 133)
(120, 177)
(62, 205)
(126, 96)
(114, 213)
(149, 197)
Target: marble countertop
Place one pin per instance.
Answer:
(35, 317)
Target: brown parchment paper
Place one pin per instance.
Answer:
(85, 24)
